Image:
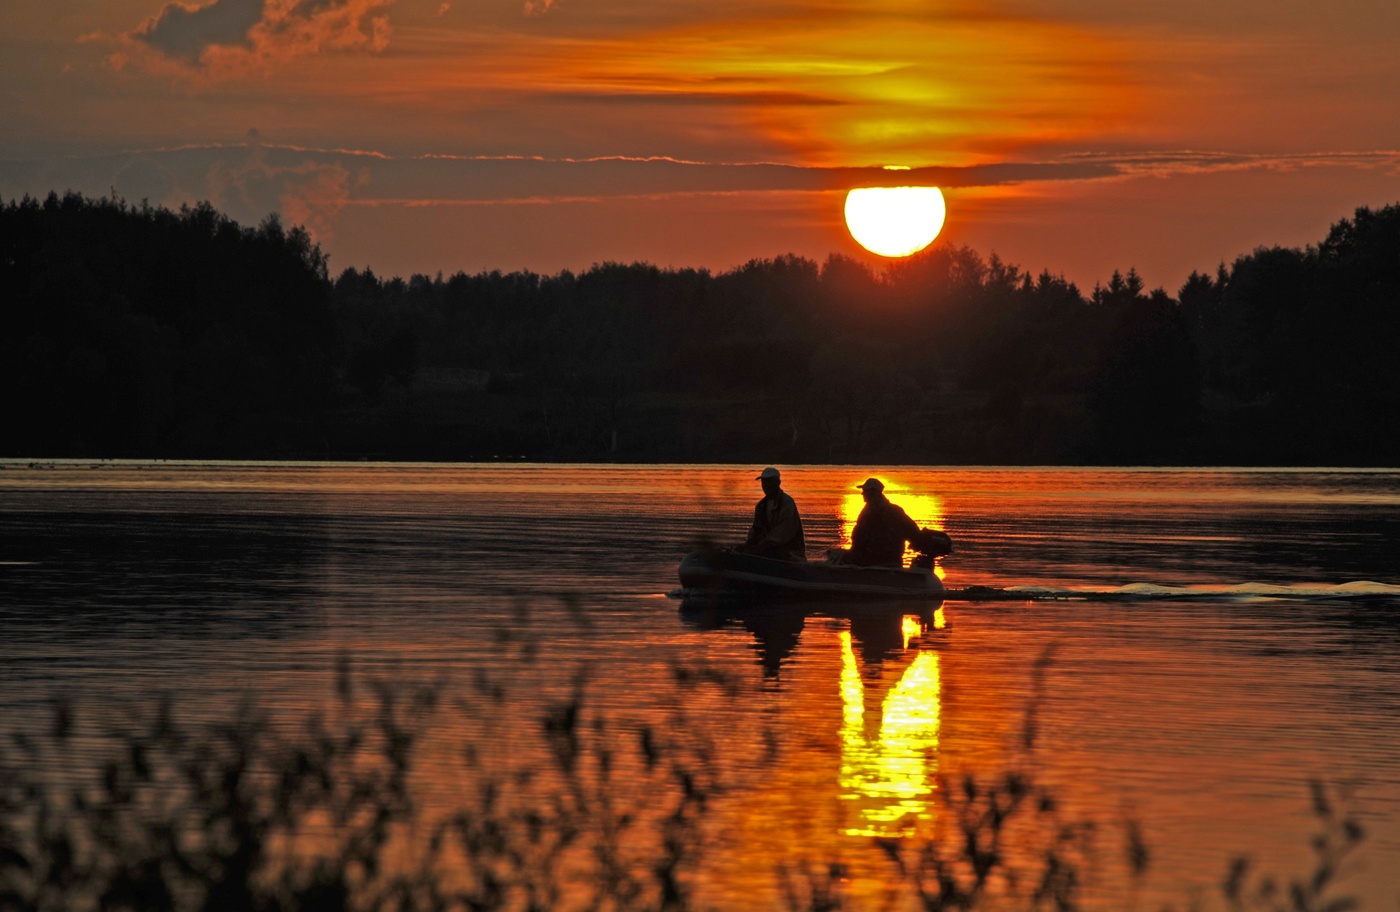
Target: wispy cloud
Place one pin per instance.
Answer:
(965, 90)
(228, 38)
(1190, 161)
(882, 82)
(311, 185)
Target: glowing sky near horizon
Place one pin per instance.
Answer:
(1081, 136)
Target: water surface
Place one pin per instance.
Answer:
(1215, 639)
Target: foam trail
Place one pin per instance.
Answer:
(1239, 592)
(1361, 590)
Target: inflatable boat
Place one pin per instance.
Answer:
(736, 571)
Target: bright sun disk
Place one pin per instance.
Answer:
(895, 221)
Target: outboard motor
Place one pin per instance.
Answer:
(930, 543)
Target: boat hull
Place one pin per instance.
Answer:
(730, 570)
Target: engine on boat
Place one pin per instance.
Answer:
(929, 544)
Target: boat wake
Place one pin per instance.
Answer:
(1141, 592)
(1360, 591)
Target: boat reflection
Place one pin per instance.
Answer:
(878, 629)
(889, 684)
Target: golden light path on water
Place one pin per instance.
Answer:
(925, 509)
(889, 764)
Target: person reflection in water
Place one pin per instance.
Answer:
(881, 530)
(777, 529)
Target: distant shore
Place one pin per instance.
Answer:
(136, 332)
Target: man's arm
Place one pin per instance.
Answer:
(907, 527)
(861, 531)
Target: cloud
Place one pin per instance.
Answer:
(253, 178)
(313, 197)
(1170, 163)
(317, 187)
(476, 180)
(881, 82)
(228, 38)
(1082, 215)
(307, 192)
(185, 32)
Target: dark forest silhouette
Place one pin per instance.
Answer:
(133, 331)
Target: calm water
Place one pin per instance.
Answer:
(1258, 650)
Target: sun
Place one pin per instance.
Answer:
(895, 221)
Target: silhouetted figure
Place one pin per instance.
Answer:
(881, 530)
(777, 529)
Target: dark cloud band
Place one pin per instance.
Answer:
(184, 33)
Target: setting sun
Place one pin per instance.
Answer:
(895, 221)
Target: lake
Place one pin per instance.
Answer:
(1193, 647)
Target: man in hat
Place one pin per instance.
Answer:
(777, 529)
(881, 529)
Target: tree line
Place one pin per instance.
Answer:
(131, 330)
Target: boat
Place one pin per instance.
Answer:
(725, 570)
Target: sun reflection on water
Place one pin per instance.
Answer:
(911, 628)
(888, 767)
(924, 509)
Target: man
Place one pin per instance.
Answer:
(777, 529)
(881, 529)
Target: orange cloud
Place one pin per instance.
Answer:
(884, 82)
(308, 193)
(227, 38)
(539, 7)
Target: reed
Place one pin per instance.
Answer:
(331, 812)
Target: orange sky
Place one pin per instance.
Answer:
(442, 135)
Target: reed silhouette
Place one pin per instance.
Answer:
(330, 812)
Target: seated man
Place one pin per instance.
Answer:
(881, 530)
(777, 529)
